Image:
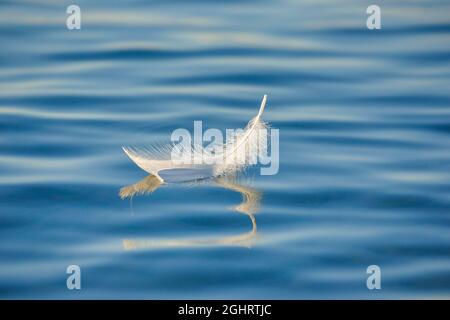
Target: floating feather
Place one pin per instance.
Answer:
(236, 153)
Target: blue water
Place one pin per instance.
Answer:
(364, 120)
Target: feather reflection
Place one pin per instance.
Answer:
(251, 199)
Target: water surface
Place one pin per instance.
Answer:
(364, 120)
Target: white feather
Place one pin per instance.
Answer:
(235, 154)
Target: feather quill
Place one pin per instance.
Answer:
(235, 154)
